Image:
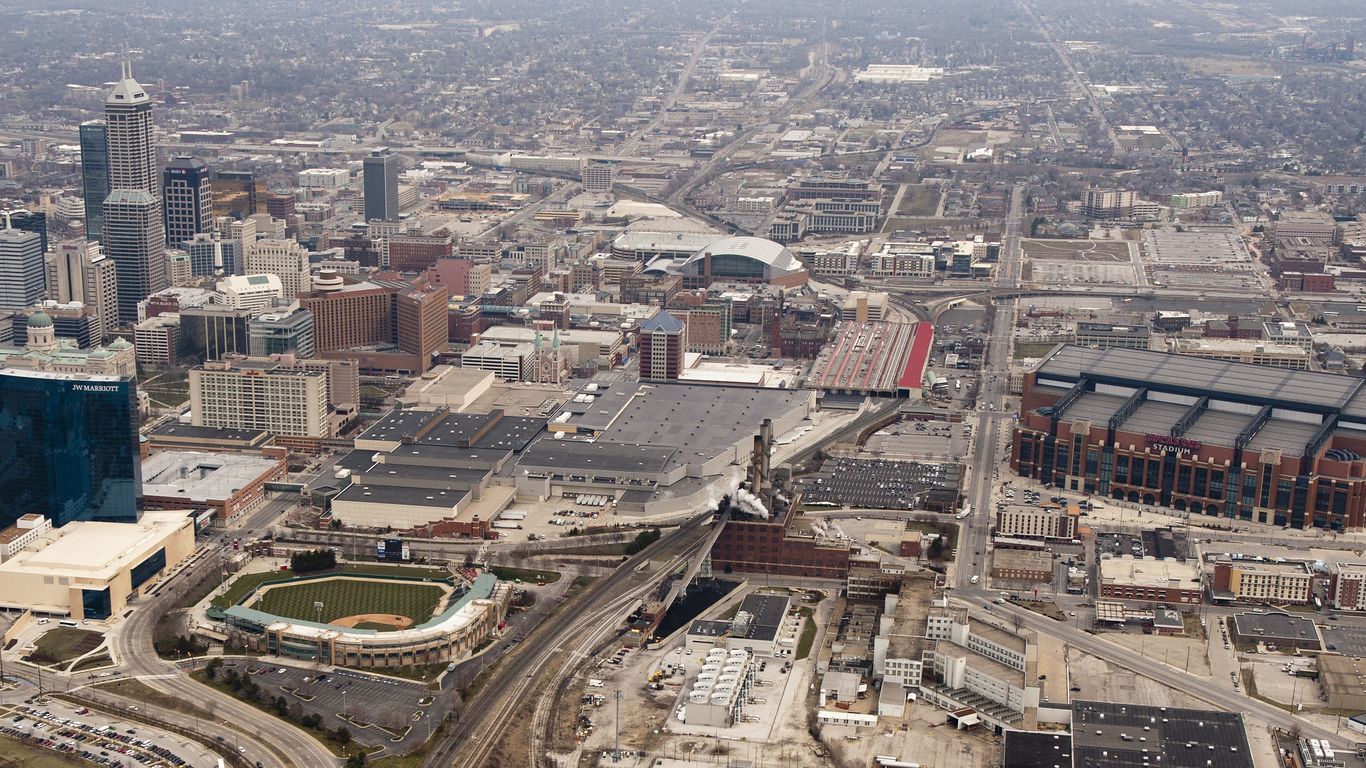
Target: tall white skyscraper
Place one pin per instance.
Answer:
(284, 258)
(22, 278)
(128, 128)
(134, 230)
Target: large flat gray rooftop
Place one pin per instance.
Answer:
(1152, 417)
(1239, 382)
(1289, 436)
(1095, 408)
(1218, 427)
(597, 457)
(700, 420)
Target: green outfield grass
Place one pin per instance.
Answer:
(349, 597)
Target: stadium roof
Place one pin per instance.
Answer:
(775, 255)
(1243, 382)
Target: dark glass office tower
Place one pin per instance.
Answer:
(94, 176)
(381, 185)
(186, 199)
(31, 221)
(68, 447)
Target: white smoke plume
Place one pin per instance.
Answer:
(750, 504)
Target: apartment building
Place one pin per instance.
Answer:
(1038, 523)
(251, 393)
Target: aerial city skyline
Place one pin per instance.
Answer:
(588, 382)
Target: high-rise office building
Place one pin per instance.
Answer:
(23, 280)
(663, 342)
(30, 221)
(386, 325)
(187, 197)
(597, 175)
(68, 446)
(133, 239)
(211, 332)
(128, 126)
(237, 194)
(211, 254)
(133, 229)
(94, 176)
(381, 186)
(284, 258)
(282, 331)
(78, 272)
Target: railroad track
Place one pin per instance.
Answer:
(476, 734)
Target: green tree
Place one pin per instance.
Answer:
(342, 735)
(642, 540)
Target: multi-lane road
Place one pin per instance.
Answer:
(263, 737)
(991, 401)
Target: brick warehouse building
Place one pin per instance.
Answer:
(1206, 436)
(781, 547)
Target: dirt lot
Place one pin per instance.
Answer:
(924, 739)
(1098, 681)
(1183, 653)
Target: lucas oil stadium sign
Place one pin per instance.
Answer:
(1169, 444)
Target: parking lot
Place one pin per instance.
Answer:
(1213, 258)
(384, 704)
(99, 739)
(1074, 262)
(878, 483)
(937, 440)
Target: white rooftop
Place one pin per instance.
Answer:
(200, 476)
(93, 550)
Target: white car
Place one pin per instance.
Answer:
(975, 578)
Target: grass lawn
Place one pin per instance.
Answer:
(808, 637)
(65, 644)
(19, 752)
(350, 597)
(93, 662)
(166, 388)
(246, 583)
(525, 575)
(919, 200)
(1026, 349)
(141, 692)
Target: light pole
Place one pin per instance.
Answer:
(616, 743)
(318, 608)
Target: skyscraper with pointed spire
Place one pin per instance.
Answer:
(134, 231)
(128, 125)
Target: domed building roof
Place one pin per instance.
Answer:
(39, 319)
(120, 344)
(744, 258)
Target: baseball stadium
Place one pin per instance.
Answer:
(366, 620)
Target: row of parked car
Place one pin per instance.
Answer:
(102, 745)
